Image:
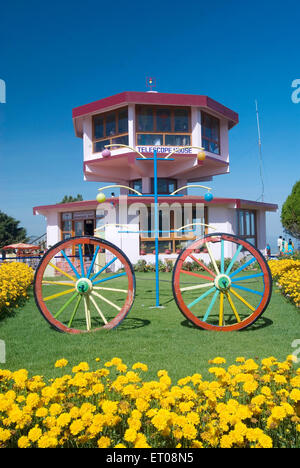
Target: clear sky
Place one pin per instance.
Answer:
(60, 54)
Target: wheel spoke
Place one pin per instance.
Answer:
(110, 278)
(106, 300)
(62, 272)
(242, 300)
(211, 305)
(111, 289)
(191, 273)
(71, 264)
(212, 258)
(232, 306)
(58, 283)
(201, 297)
(97, 309)
(222, 255)
(242, 267)
(202, 265)
(74, 311)
(242, 278)
(221, 310)
(233, 285)
(104, 268)
(234, 259)
(54, 296)
(93, 261)
(81, 260)
(87, 312)
(71, 299)
(197, 286)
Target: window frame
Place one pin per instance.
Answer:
(110, 138)
(155, 130)
(211, 140)
(253, 224)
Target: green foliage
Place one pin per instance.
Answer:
(70, 199)
(290, 212)
(10, 231)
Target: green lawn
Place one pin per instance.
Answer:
(161, 338)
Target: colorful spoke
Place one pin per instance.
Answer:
(111, 289)
(191, 273)
(233, 306)
(87, 312)
(211, 305)
(106, 300)
(93, 261)
(234, 259)
(62, 272)
(97, 309)
(212, 258)
(222, 256)
(202, 265)
(242, 278)
(71, 264)
(246, 289)
(221, 310)
(104, 268)
(242, 267)
(110, 278)
(242, 299)
(58, 283)
(75, 310)
(201, 297)
(197, 286)
(81, 260)
(54, 296)
(71, 299)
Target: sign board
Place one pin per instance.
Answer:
(164, 149)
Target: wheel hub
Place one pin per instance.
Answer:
(84, 286)
(222, 282)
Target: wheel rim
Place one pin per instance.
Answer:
(83, 284)
(223, 295)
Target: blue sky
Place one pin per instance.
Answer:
(58, 55)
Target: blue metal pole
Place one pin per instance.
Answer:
(156, 227)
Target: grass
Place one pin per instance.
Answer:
(161, 338)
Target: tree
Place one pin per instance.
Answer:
(290, 212)
(10, 232)
(70, 199)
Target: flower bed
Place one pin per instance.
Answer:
(248, 404)
(15, 278)
(286, 273)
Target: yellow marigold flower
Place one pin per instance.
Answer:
(265, 441)
(34, 434)
(120, 446)
(55, 409)
(140, 365)
(250, 386)
(278, 412)
(189, 431)
(218, 360)
(5, 435)
(23, 442)
(104, 442)
(41, 412)
(130, 435)
(61, 363)
(295, 395)
(226, 441)
(47, 441)
(76, 426)
(63, 420)
(81, 367)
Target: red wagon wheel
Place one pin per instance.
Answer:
(227, 294)
(83, 284)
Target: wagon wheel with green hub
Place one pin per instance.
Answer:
(83, 284)
(228, 294)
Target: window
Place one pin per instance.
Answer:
(166, 186)
(247, 225)
(136, 185)
(163, 126)
(110, 128)
(210, 133)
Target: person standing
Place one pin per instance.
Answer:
(279, 245)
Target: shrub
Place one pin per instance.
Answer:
(15, 279)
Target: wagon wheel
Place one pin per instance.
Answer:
(229, 294)
(83, 284)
